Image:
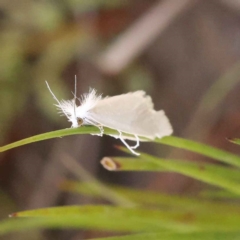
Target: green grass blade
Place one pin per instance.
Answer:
(223, 177)
(50, 135)
(234, 140)
(109, 218)
(218, 194)
(178, 236)
(59, 134)
(200, 148)
(143, 164)
(208, 173)
(160, 200)
(217, 154)
(125, 219)
(130, 164)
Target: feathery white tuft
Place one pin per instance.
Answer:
(87, 102)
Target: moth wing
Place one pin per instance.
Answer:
(136, 98)
(131, 113)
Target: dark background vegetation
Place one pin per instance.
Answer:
(185, 54)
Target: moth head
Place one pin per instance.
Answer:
(79, 121)
(76, 121)
(68, 108)
(77, 114)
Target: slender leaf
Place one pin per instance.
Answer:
(130, 164)
(178, 236)
(218, 194)
(108, 218)
(216, 175)
(50, 135)
(131, 219)
(211, 174)
(61, 133)
(234, 140)
(161, 200)
(202, 149)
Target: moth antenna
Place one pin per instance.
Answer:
(52, 93)
(55, 98)
(75, 96)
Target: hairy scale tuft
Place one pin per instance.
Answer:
(87, 102)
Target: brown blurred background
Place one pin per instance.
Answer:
(185, 54)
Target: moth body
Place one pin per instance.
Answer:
(130, 113)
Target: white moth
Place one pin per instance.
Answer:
(130, 113)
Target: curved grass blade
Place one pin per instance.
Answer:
(218, 194)
(234, 140)
(130, 164)
(129, 219)
(211, 174)
(223, 177)
(160, 200)
(177, 236)
(196, 147)
(203, 149)
(110, 218)
(63, 133)
(143, 164)
(50, 135)
(58, 134)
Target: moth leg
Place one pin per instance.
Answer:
(126, 144)
(100, 127)
(137, 142)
